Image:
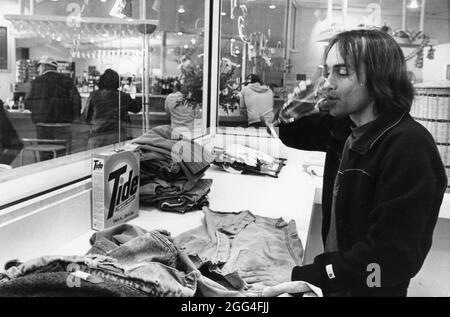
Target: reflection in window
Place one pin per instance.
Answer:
(94, 73)
(252, 48)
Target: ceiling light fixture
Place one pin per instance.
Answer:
(181, 9)
(413, 4)
(272, 7)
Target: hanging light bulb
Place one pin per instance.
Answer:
(181, 9)
(413, 4)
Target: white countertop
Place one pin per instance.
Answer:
(291, 196)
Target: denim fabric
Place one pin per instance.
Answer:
(57, 284)
(131, 246)
(184, 165)
(261, 250)
(219, 285)
(158, 187)
(144, 261)
(193, 159)
(183, 204)
(181, 196)
(162, 168)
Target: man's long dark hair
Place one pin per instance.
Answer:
(109, 80)
(385, 67)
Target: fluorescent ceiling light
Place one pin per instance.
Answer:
(413, 4)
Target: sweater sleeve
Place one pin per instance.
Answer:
(309, 133)
(407, 200)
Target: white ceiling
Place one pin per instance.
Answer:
(433, 7)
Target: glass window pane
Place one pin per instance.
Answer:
(176, 67)
(88, 74)
(253, 49)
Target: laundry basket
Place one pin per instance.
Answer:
(431, 108)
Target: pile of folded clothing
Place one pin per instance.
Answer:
(241, 159)
(129, 261)
(124, 261)
(172, 171)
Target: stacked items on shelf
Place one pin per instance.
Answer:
(21, 74)
(164, 86)
(27, 70)
(241, 159)
(32, 70)
(172, 170)
(431, 108)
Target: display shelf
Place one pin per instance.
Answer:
(72, 31)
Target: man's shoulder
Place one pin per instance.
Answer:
(409, 127)
(411, 135)
(54, 76)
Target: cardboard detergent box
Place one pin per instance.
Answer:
(115, 187)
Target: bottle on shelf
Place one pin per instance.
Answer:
(7, 104)
(21, 104)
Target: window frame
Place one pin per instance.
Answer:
(28, 182)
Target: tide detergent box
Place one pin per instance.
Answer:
(115, 187)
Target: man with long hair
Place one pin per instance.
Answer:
(384, 179)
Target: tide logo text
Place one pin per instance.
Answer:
(121, 192)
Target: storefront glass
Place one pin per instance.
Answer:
(153, 52)
(282, 41)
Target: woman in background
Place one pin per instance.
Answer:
(107, 112)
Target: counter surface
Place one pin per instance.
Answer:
(291, 196)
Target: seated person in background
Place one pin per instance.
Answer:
(102, 112)
(10, 144)
(258, 100)
(182, 116)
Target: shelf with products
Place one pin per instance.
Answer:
(67, 29)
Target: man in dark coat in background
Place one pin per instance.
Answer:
(54, 102)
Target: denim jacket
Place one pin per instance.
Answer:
(243, 251)
(146, 263)
(193, 159)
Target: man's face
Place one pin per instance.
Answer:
(348, 95)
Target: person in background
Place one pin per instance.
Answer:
(384, 179)
(257, 99)
(182, 116)
(10, 143)
(104, 108)
(54, 102)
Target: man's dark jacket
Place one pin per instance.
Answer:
(53, 98)
(387, 205)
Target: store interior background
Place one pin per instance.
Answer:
(311, 21)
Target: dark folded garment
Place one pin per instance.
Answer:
(192, 157)
(64, 284)
(160, 187)
(166, 170)
(183, 205)
(182, 202)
